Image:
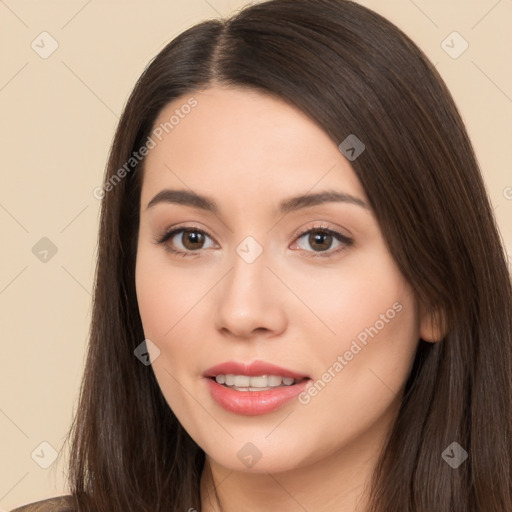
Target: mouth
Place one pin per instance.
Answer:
(253, 388)
(255, 382)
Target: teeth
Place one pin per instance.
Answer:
(254, 383)
(241, 381)
(274, 380)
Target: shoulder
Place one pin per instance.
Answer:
(57, 504)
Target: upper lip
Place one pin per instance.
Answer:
(252, 369)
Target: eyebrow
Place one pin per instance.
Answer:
(189, 198)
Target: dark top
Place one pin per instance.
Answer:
(58, 504)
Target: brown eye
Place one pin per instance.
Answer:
(192, 240)
(320, 240)
(186, 241)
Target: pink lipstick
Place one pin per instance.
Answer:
(253, 388)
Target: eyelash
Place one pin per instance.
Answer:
(345, 241)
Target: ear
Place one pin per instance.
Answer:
(432, 325)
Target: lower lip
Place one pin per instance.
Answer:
(252, 403)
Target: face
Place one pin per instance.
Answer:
(261, 284)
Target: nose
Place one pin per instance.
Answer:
(251, 300)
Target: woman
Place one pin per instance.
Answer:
(296, 235)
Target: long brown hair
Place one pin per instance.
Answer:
(352, 72)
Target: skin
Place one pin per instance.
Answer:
(248, 151)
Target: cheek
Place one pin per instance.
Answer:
(364, 291)
(157, 303)
(372, 315)
(168, 300)
(166, 295)
(173, 304)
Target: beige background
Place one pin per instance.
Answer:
(58, 117)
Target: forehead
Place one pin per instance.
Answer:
(242, 142)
